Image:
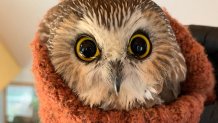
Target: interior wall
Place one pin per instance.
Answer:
(201, 12)
(25, 75)
(8, 67)
(18, 23)
(19, 20)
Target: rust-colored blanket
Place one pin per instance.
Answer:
(58, 104)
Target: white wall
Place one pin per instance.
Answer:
(26, 75)
(203, 12)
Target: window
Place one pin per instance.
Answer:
(21, 104)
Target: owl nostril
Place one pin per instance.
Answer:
(108, 55)
(113, 55)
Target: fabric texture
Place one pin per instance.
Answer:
(208, 37)
(58, 104)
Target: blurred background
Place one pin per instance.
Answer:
(18, 23)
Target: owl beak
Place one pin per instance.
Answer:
(117, 86)
(116, 74)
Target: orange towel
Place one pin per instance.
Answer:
(58, 104)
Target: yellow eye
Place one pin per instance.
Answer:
(86, 49)
(139, 46)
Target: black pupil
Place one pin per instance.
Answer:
(88, 48)
(138, 46)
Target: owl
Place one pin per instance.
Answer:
(114, 54)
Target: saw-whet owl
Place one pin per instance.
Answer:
(115, 54)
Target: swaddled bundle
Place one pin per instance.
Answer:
(86, 71)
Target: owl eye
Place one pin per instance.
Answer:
(86, 49)
(139, 46)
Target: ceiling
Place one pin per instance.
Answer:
(19, 20)
(18, 23)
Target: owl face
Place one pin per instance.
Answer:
(114, 54)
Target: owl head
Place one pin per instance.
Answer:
(114, 54)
